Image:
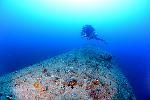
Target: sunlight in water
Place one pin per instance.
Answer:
(108, 12)
(75, 7)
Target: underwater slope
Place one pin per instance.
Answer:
(87, 73)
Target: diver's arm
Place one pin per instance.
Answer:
(83, 34)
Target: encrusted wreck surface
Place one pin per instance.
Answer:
(82, 74)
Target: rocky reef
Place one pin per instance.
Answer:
(87, 73)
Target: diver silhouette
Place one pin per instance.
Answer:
(89, 33)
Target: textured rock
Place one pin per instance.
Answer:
(87, 73)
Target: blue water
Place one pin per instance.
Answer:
(33, 30)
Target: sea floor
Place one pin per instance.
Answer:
(86, 73)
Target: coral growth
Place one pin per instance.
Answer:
(37, 85)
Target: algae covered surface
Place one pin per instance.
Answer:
(86, 73)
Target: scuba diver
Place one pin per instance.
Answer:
(89, 33)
